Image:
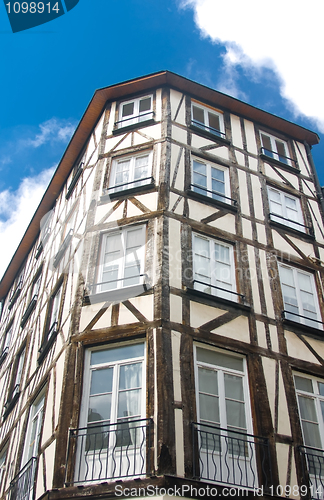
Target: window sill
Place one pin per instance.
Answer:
(134, 126)
(127, 192)
(210, 201)
(115, 295)
(292, 231)
(9, 406)
(219, 300)
(209, 135)
(304, 329)
(280, 164)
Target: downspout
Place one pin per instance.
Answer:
(316, 179)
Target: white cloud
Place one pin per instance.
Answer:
(285, 36)
(51, 130)
(16, 211)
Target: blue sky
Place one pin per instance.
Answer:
(50, 72)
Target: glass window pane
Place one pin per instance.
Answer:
(303, 384)
(209, 408)
(214, 121)
(128, 109)
(233, 387)
(99, 408)
(266, 143)
(219, 359)
(129, 403)
(208, 381)
(235, 413)
(145, 105)
(117, 354)
(198, 114)
(201, 246)
(321, 388)
(130, 376)
(311, 435)
(307, 408)
(101, 381)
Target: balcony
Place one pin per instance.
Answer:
(216, 198)
(21, 487)
(313, 471)
(230, 457)
(108, 451)
(128, 188)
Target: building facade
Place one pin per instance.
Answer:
(162, 317)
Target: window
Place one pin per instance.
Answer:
(225, 445)
(285, 209)
(130, 172)
(17, 289)
(33, 298)
(15, 385)
(135, 111)
(122, 259)
(299, 296)
(111, 442)
(54, 311)
(274, 148)
(213, 265)
(310, 397)
(3, 457)
(6, 343)
(207, 119)
(210, 180)
(22, 486)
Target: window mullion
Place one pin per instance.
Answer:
(209, 182)
(222, 399)
(297, 288)
(114, 395)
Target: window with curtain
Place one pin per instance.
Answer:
(130, 172)
(299, 296)
(135, 111)
(285, 209)
(210, 180)
(114, 392)
(275, 148)
(213, 267)
(122, 258)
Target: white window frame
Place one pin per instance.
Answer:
(214, 457)
(206, 126)
(208, 191)
(274, 153)
(305, 320)
(131, 182)
(114, 419)
(231, 281)
(136, 116)
(282, 216)
(121, 260)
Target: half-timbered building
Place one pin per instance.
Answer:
(162, 318)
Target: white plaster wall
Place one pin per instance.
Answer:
(274, 338)
(253, 163)
(269, 368)
(297, 349)
(240, 158)
(254, 281)
(236, 131)
(261, 232)
(59, 384)
(226, 223)
(302, 158)
(175, 98)
(280, 244)
(175, 253)
(179, 134)
(111, 121)
(250, 137)
(261, 333)
(199, 211)
(283, 414)
(158, 110)
(237, 329)
(145, 305)
(257, 198)
(266, 284)
(243, 192)
(247, 229)
(175, 309)
(200, 314)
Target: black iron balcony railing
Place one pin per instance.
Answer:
(48, 341)
(291, 223)
(218, 291)
(281, 158)
(215, 195)
(230, 457)
(124, 122)
(118, 188)
(29, 310)
(21, 487)
(111, 451)
(211, 130)
(106, 286)
(303, 320)
(313, 470)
